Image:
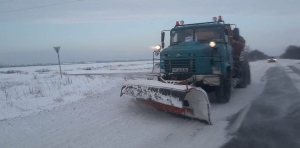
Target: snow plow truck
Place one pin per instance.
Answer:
(202, 57)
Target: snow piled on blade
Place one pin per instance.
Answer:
(156, 91)
(155, 83)
(172, 95)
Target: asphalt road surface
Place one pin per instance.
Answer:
(274, 117)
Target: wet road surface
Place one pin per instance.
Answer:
(274, 117)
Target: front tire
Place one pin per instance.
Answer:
(223, 91)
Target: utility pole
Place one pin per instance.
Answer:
(57, 51)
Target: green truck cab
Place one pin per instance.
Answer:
(206, 55)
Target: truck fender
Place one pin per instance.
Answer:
(227, 68)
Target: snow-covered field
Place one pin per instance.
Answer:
(27, 90)
(39, 109)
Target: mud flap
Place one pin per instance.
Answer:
(191, 102)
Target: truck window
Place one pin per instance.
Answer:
(208, 34)
(181, 36)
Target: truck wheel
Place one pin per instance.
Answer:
(244, 78)
(223, 91)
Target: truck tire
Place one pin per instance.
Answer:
(244, 78)
(223, 91)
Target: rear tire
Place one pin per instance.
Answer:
(244, 78)
(223, 91)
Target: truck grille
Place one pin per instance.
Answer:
(190, 64)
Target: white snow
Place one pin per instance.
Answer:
(153, 83)
(27, 90)
(38, 109)
(140, 89)
(295, 77)
(24, 94)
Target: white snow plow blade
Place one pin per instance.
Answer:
(178, 99)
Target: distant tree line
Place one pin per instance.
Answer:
(253, 55)
(291, 52)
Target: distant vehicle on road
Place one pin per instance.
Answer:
(271, 59)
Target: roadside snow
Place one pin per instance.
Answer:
(27, 90)
(289, 66)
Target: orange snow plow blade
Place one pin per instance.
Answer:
(177, 99)
(168, 108)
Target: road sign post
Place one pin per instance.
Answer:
(57, 51)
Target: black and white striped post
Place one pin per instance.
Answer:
(57, 51)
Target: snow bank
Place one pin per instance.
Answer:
(27, 90)
(115, 67)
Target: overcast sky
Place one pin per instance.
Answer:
(90, 30)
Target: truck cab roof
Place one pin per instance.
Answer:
(197, 25)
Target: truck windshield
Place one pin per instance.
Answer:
(181, 36)
(208, 34)
(198, 34)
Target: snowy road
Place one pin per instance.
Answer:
(274, 117)
(106, 120)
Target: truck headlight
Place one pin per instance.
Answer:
(212, 44)
(157, 47)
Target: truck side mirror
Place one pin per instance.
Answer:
(162, 39)
(236, 34)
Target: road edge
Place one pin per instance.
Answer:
(238, 121)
